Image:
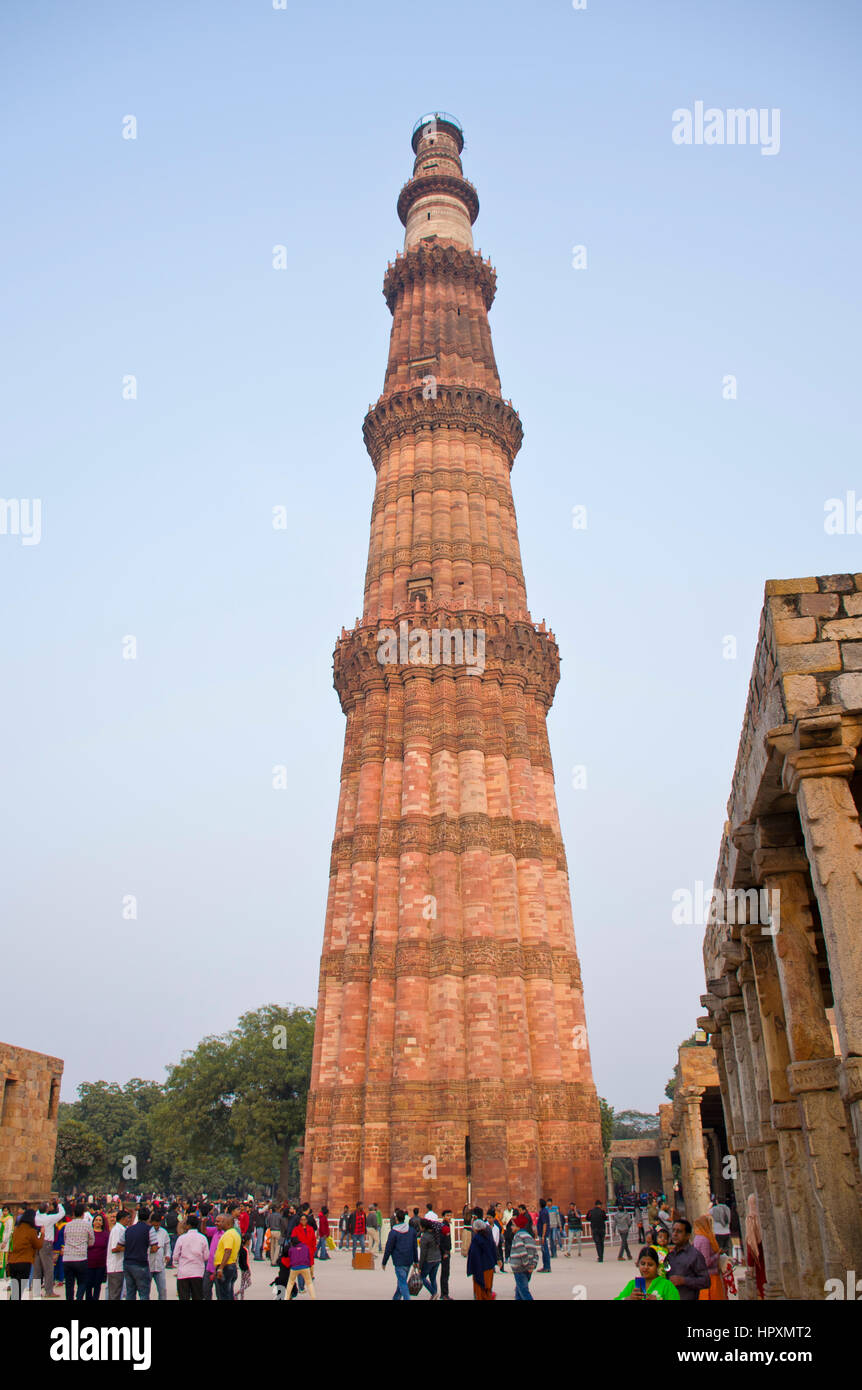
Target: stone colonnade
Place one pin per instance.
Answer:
(783, 947)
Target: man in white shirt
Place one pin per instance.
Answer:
(114, 1266)
(46, 1222)
(157, 1255)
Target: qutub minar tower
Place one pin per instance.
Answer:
(450, 1054)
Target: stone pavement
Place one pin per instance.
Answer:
(335, 1279)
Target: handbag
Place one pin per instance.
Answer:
(414, 1282)
(330, 1243)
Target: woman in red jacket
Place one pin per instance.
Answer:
(306, 1234)
(304, 1231)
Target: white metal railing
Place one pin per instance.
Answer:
(570, 1241)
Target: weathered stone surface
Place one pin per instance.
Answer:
(800, 692)
(847, 690)
(819, 605)
(843, 630)
(792, 630)
(791, 586)
(852, 654)
(812, 656)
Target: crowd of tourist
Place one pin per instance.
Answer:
(678, 1261)
(125, 1246)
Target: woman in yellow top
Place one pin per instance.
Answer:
(658, 1289)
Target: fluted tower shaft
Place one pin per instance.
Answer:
(450, 1047)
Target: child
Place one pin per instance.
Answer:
(245, 1264)
(299, 1259)
(661, 1243)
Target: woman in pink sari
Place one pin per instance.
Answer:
(703, 1239)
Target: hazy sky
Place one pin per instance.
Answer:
(153, 258)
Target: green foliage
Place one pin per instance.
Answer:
(632, 1124)
(241, 1097)
(227, 1120)
(607, 1114)
(622, 1172)
(118, 1116)
(80, 1151)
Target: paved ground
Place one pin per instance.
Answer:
(336, 1279)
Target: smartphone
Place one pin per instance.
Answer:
(640, 1284)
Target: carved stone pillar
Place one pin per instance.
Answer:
(666, 1174)
(768, 1136)
(757, 1158)
(787, 1119)
(695, 1170)
(817, 772)
(609, 1182)
(733, 1118)
(814, 1072)
(713, 1159)
(636, 1163)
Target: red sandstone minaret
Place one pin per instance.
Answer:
(451, 1045)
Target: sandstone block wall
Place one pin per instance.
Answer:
(29, 1100)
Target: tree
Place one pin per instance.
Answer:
(240, 1098)
(121, 1115)
(80, 1151)
(632, 1124)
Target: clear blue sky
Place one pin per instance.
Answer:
(153, 257)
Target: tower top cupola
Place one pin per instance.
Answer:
(438, 203)
(439, 122)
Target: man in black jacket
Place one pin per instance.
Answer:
(597, 1216)
(444, 1231)
(273, 1221)
(344, 1228)
(259, 1230)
